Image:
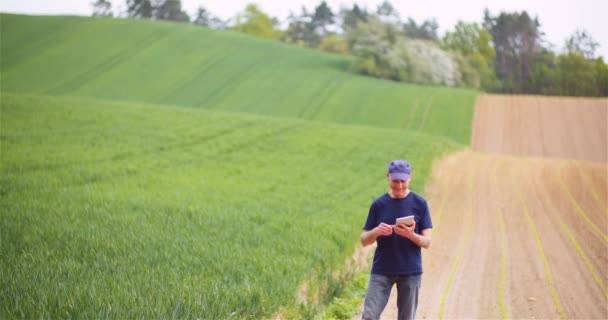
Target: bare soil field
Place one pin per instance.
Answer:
(521, 222)
(563, 127)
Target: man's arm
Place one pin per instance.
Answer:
(369, 236)
(422, 240)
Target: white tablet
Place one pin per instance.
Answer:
(408, 221)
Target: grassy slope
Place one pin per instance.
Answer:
(165, 63)
(122, 210)
(128, 209)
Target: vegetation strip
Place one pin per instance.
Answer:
(541, 251)
(578, 208)
(501, 228)
(463, 243)
(444, 197)
(596, 197)
(583, 256)
(425, 116)
(413, 112)
(599, 201)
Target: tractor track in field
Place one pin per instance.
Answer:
(521, 219)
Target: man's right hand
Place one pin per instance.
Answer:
(384, 229)
(369, 237)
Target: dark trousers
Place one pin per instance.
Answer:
(379, 290)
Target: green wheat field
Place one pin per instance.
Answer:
(156, 170)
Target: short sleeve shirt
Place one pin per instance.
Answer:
(396, 255)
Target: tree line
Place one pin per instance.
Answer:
(505, 53)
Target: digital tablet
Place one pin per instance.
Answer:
(408, 221)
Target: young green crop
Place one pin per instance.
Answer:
(168, 63)
(127, 209)
(123, 210)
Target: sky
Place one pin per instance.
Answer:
(558, 18)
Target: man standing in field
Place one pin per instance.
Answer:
(398, 258)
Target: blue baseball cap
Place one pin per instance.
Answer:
(399, 170)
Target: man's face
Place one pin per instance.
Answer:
(399, 187)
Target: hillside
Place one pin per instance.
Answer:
(150, 169)
(165, 63)
(124, 210)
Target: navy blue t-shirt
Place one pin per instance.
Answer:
(396, 255)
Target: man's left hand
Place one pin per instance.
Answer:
(405, 231)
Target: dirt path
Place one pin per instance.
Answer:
(519, 236)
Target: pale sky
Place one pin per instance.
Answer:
(558, 18)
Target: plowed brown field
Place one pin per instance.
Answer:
(564, 127)
(521, 236)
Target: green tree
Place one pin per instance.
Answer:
(387, 13)
(139, 9)
(601, 75)
(102, 8)
(255, 22)
(427, 30)
(381, 50)
(301, 31)
(469, 75)
(207, 19)
(170, 10)
(577, 75)
(322, 18)
(351, 18)
(581, 42)
(544, 76)
(372, 42)
(475, 45)
(335, 44)
(517, 40)
(470, 38)
(580, 74)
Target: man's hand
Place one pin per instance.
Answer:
(369, 237)
(422, 240)
(384, 229)
(405, 231)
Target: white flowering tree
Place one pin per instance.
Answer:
(382, 50)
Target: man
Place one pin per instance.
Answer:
(398, 258)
